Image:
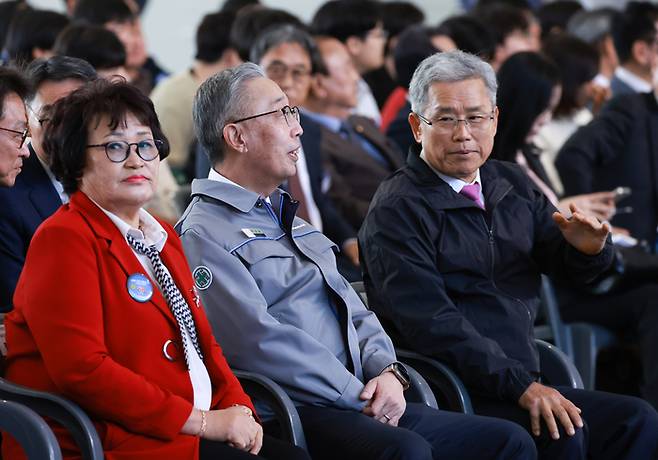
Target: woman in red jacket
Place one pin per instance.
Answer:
(105, 312)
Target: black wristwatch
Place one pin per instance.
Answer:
(400, 373)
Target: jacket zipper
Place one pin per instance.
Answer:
(492, 241)
(271, 213)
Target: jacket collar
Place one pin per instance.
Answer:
(39, 187)
(237, 197)
(494, 187)
(104, 228)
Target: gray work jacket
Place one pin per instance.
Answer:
(277, 304)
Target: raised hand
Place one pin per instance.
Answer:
(583, 232)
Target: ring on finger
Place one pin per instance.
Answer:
(388, 419)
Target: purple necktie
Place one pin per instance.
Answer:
(472, 192)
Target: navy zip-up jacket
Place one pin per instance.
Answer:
(461, 284)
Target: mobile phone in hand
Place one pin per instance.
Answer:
(621, 193)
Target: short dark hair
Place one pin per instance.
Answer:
(636, 23)
(470, 35)
(95, 44)
(7, 12)
(342, 19)
(213, 36)
(398, 15)
(502, 20)
(252, 20)
(101, 12)
(525, 85)
(278, 35)
(523, 4)
(578, 63)
(12, 82)
(414, 45)
(30, 29)
(555, 16)
(58, 68)
(233, 6)
(66, 135)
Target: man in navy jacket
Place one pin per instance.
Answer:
(453, 249)
(36, 194)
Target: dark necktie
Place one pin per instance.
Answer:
(295, 189)
(172, 295)
(472, 192)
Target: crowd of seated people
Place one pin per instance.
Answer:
(159, 231)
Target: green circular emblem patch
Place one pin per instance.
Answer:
(202, 277)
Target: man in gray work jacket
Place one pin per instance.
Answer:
(278, 305)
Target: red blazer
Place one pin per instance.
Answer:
(76, 331)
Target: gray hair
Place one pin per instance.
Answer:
(278, 35)
(591, 26)
(449, 67)
(218, 100)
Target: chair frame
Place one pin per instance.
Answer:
(63, 411)
(30, 430)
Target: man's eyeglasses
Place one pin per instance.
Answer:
(41, 118)
(287, 111)
(278, 71)
(23, 135)
(475, 122)
(377, 32)
(119, 151)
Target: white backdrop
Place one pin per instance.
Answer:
(170, 25)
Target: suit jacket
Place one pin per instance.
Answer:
(76, 331)
(355, 175)
(335, 226)
(24, 206)
(618, 148)
(619, 86)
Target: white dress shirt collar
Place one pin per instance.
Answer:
(455, 183)
(636, 83)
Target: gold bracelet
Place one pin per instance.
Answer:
(204, 424)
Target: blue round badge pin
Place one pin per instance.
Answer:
(139, 287)
(202, 277)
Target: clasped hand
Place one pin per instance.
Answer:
(234, 425)
(385, 399)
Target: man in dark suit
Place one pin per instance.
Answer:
(13, 125)
(359, 155)
(635, 34)
(36, 194)
(290, 58)
(618, 148)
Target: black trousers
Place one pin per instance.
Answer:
(615, 427)
(633, 310)
(272, 449)
(423, 433)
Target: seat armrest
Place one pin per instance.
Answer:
(419, 390)
(30, 430)
(449, 390)
(67, 413)
(266, 390)
(556, 367)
